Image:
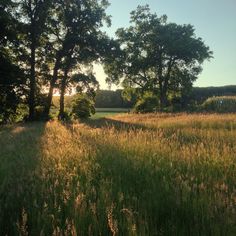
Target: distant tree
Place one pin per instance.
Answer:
(199, 94)
(147, 103)
(85, 84)
(113, 99)
(83, 107)
(158, 56)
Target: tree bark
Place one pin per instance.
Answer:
(163, 99)
(164, 82)
(51, 88)
(62, 95)
(32, 75)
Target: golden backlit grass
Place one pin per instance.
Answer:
(165, 174)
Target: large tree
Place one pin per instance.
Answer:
(33, 15)
(158, 56)
(12, 79)
(75, 26)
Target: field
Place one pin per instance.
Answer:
(155, 174)
(108, 112)
(100, 112)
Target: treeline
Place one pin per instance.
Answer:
(114, 99)
(53, 44)
(201, 94)
(47, 45)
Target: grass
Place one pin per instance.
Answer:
(99, 115)
(108, 112)
(100, 112)
(163, 174)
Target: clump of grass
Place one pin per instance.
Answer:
(127, 175)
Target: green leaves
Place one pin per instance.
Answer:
(158, 56)
(83, 107)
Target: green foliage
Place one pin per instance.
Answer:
(113, 99)
(40, 114)
(22, 112)
(80, 41)
(219, 104)
(199, 94)
(83, 107)
(66, 116)
(147, 103)
(85, 83)
(158, 56)
(185, 100)
(11, 88)
(12, 78)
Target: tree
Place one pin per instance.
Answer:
(34, 14)
(11, 88)
(75, 26)
(12, 79)
(85, 84)
(158, 56)
(96, 48)
(83, 107)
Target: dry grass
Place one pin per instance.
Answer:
(127, 175)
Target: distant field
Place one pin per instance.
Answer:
(117, 110)
(100, 112)
(154, 174)
(107, 112)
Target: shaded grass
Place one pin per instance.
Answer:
(19, 158)
(122, 175)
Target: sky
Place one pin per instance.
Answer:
(214, 21)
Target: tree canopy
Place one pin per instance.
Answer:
(159, 57)
(53, 44)
(12, 78)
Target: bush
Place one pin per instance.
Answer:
(40, 114)
(148, 103)
(65, 116)
(220, 104)
(83, 107)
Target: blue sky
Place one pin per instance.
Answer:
(214, 21)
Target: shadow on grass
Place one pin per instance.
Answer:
(19, 158)
(143, 194)
(117, 124)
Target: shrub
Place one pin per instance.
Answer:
(65, 116)
(220, 104)
(83, 107)
(40, 114)
(148, 103)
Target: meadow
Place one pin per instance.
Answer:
(153, 174)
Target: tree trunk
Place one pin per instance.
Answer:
(51, 88)
(32, 77)
(163, 100)
(163, 96)
(62, 95)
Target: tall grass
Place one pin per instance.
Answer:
(128, 175)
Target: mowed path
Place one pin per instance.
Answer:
(155, 174)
